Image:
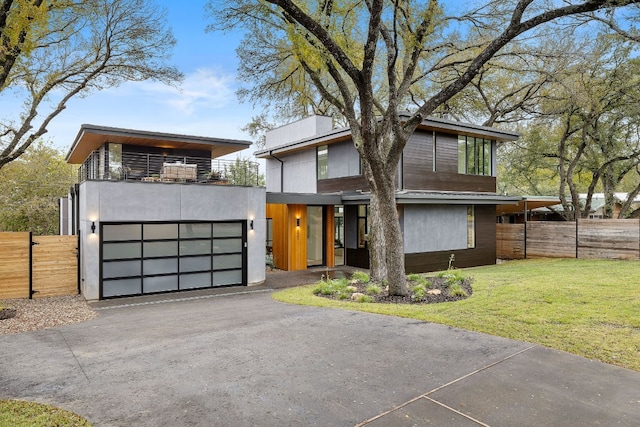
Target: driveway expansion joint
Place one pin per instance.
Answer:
(426, 395)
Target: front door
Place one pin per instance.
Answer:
(315, 236)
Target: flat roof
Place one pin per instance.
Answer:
(91, 137)
(430, 123)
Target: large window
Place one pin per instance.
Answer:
(323, 154)
(474, 155)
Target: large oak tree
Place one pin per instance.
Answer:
(373, 60)
(54, 50)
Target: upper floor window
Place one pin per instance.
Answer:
(474, 155)
(322, 154)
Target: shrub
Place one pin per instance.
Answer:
(419, 291)
(420, 280)
(364, 298)
(331, 287)
(373, 290)
(270, 262)
(452, 277)
(457, 291)
(360, 276)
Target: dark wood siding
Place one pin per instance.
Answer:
(483, 254)
(357, 258)
(418, 171)
(449, 181)
(417, 159)
(446, 152)
(350, 183)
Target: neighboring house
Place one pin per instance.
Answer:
(159, 212)
(318, 199)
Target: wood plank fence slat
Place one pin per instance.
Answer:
(54, 268)
(591, 239)
(14, 265)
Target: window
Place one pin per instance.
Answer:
(471, 227)
(269, 235)
(363, 227)
(474, 155)
(322, 153)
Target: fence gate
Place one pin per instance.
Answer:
(38, 266)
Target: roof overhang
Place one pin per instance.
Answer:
(92, 137)
(402, 197)
(526, 203)
(304, 199)
(436, 198)
(429, 124)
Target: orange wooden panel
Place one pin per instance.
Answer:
(297, 237)
(279, 215)
(330, 235)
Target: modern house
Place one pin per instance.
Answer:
(318, 199)
(159, 212)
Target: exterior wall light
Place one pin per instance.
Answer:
(297, 222)
(93, 227)
(251, 225)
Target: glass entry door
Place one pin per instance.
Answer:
(315, 236)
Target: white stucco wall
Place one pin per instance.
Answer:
(139, 201)
(430, 228)
(296, 131)
(300, 172)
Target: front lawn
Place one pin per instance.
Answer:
(17, 413)
(586, 307)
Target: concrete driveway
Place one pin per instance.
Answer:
(246, 360)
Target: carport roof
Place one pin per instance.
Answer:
(91, 137)
(526, 203)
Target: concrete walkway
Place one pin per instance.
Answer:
(235, 357)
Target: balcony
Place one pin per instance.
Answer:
(159, 168)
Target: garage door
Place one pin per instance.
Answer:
(147, 258)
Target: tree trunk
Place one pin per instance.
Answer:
(383, 201)
(376, 245)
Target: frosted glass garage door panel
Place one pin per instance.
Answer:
(200, 263)
(188, 231)
(233, 277)
(159, 249)
(195, 247)
(160, 231)
(160, 284)
(160, 266)
(113, 288)
(227, 230)
(194, 281)
(114, 232)
(227, 261)
(221, 246)
(121, 250)
(121, 269)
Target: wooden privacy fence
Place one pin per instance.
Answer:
(39, 266)
(586, 239)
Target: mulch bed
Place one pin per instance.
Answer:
(438, 283)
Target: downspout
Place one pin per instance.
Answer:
(281, 170)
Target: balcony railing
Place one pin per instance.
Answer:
(158, 168)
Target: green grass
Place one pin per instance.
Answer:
(586, 307)
(16, 413)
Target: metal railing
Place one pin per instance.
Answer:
(158, 168)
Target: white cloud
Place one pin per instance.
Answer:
(205, 88)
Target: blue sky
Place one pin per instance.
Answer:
(205, 103)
